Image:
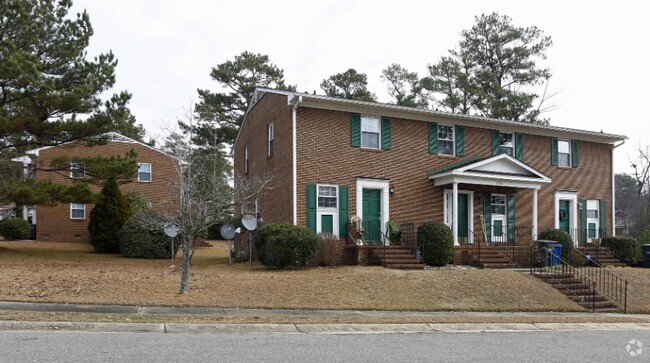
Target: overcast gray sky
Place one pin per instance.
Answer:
(167, 48)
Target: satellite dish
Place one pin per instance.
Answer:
(171, 230)
(228, 231)
(249, 221)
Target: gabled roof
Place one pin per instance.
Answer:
(384, 109)
(111, 137)
(500, 170)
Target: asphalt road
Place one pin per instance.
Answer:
(540, 346)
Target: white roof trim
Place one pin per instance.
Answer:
(468, 175)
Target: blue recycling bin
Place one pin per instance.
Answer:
(551, 252)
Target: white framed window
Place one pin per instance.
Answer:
(77, 170)
(370, 132)
(593, 215)
(327, 196)
(271, 136)
(77, 211)
(445, 140)
(144, 172)
(498, 202)
(507, 143)
(327, 213)
(564, 153)
(246, 159)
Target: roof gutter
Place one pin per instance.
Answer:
(295, 101)
(614, 190)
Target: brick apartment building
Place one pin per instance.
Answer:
(333, 158)
(69, 222)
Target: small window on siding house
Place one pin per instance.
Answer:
(445, 140)
(77, 211)
(77, 170)
(564, 153)
(507, 143)
(370, 132)
(144, 172)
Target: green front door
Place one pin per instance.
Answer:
(327, 223)
(463, 218)
(565, 212)
(372, 214)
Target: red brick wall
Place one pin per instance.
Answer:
(54, 223)
(276, 202)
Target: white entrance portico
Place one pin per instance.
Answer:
(498, 171)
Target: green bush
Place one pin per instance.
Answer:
(108, 216)
(644, 238)
(142, 238)
(282, 245)
(561, 237)
(627, 249)
(14, 228)
(436, 241)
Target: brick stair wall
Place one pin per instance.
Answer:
(576, 290)
(602, 255)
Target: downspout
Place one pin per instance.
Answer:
(294, 160)
(614, 191)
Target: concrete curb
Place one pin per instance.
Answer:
(174, 328)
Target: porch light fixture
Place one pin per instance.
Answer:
(391, 190)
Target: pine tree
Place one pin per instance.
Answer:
(107, 217)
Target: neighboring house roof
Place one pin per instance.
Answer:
(384, 109)
(111, 136)
(501, 170)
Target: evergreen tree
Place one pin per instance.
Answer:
(108, 216)
(350, 84)
(404, 86)
(493, 72)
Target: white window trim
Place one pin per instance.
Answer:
(325, 211)
(572, 197)
(593, 220)
(83, 169)
(84, 209)
(448, 215)
(150, 173)
(270, 129)
(378, 133)
(453, 139)
(384, 186)
(570, 154)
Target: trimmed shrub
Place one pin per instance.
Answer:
(560, 237)
(328, 248)
(436, 241)
(140, 239)
(627, 249)
(282, 245)
(108, 216)
(14, 228)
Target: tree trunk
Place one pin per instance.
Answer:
(185, 276)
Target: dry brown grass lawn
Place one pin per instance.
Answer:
(72, 273)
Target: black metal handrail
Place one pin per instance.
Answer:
(600, 280)
(607, 283)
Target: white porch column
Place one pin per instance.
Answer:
(534, 214)
(455, 209)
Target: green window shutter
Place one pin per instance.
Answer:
(355, 129)
(575, 160)
(487, 214)
(496, 142)
(460, 140)
(386, 138)
(519, 147)
(603, 215)
(433, 138)
(344, 208)
(583, 221)
(311, 207)
(511, 218)
(554, 151)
